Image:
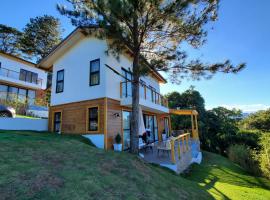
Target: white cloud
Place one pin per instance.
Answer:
(247, 107)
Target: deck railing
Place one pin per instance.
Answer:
(16, 75)
(181, 143)
(146, 92)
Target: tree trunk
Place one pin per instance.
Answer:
(135, 107)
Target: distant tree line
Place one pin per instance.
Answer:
(223, 131)
(35, 41)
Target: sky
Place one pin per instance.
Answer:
(241, 34)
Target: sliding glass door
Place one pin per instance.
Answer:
(150, 122)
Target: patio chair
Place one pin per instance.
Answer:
(164, 147)
(142, 144)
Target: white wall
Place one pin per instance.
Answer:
(76, 65)
(13, 65)
(23, 124)
(97, 139)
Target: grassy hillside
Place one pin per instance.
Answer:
(47, 166)
(225, 180)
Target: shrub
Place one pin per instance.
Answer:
(264, 155)
(118, 139)
(245, 157)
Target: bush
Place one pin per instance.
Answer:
(245, 157)
(118, 139)
(250, 138)
(264, 155)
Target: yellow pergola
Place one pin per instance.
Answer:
(194, 120)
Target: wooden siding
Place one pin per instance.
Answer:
(74, 116)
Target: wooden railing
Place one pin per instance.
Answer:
(146, 92)
(184, 139)
(16, 75)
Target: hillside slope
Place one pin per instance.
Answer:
(225, 180)
(48, 166)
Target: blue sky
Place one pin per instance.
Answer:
(241, 34)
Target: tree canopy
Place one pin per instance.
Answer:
(40, 35)
(259, 120)
(9, 40)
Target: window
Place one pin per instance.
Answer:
(126, 86)
(22, 95)
(57, 122)
(94, 72)
(3, 92)
(28, 76)
(12, 93)
(31, 97)
(93, 119)
(60, 81)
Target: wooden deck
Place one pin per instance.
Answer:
(163, 158)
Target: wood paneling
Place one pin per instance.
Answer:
(74, 116)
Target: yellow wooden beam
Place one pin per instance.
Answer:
(183, 112)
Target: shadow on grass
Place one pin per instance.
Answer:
(216, 168)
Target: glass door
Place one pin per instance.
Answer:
(166, 126)
(150, 122)
(126, 130)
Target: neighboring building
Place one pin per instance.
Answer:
(21, 81)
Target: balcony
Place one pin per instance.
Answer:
(150, 99)
(14, 77)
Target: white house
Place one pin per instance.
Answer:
(20, 80)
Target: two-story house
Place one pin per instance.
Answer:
(91, 92)
(20, 80)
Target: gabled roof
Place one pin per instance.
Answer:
(68, 42)
(10, 56)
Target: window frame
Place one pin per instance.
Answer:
(127, 81)
(93, 73)
(59, 81)
(88, 120)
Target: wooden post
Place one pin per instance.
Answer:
(197, 129)
(192, 125)
(172, 151)
(105, 124)
(179, 149)
(183, 144)
(187, 142)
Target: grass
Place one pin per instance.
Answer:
(225, 180)
(27, 117)
(37, 165)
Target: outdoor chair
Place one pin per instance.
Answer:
(142, 144)
(164, 147)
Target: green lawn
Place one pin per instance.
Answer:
(47, 166)
(225, 180)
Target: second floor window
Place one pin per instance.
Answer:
(28, 76)
(94, 72)
(60, 81)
